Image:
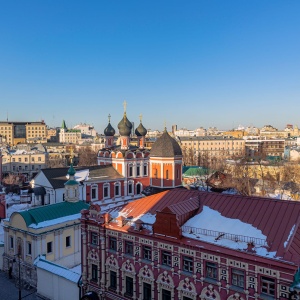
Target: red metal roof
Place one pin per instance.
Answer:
(275, 218)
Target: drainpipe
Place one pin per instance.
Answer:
(79, 286)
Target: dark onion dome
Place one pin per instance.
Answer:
(165, 146)
(109, 130)
(125, 126)
(141, 130)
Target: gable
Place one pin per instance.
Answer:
(41, 180)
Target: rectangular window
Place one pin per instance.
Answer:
(237, 278)
(129, 248)
(94, 272)
(49, 247)
(19, 159)
(147, 253)
(94, 238)
(113, 280)
(68, 241)
(166, 258)
(117, 190)
(267, 286)
(188, 264)
(147, 295)
(129, 286)
(112, 243)
(94, 192)
(145, 170)
(32, 158)
(166, 295)
(130, 188)
(28, 248)
(105, 192)
(130, 171)
(137, 170)
(211, 270)
(39, 159)
(11, 242)
(13, 159)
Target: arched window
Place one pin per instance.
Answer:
(106, 191)
(117, 189)
(130, 188)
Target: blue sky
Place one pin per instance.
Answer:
(191, 63)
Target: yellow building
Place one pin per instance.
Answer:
(23, 132)
(52, 231)
(25, 160)
(212, 147)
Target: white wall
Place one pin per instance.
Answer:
(55, 287)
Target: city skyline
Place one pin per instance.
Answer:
(198, 64)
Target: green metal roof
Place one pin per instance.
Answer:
(51, 212)
(194, 171)
(63, 125)
(71, 182)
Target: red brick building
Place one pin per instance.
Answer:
(189, 245)
(182, 244)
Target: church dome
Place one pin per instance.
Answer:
(125, 126)
(165, 146)
(109, 130)
(141, 130)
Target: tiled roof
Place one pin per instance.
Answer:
(165, 146)
(51, 212)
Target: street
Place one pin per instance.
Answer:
(8, 290)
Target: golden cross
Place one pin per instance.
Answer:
(141, 117)
(125, 104)
(109, 118)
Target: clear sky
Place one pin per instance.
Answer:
(191, 63)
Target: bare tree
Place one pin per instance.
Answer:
(87, 156)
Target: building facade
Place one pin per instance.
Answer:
(164, 247)
(51, 231)
(23, 132)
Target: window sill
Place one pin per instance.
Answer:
(128, 295)
(166, 267)
(267, 297)
(211, 280)
(237, 288)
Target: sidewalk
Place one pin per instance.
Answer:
(8, 290)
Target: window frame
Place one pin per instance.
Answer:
(94, 238)
(238, 277)
(28, 248)
(166, 258)
(128, 248)
(188, 264)
(94, 273)
(68, 241)
(147, 288)
(112, 243)
(211, 270)
(128, 286)
(49, 247)
(147, 252)
(112, 279)
(269, 281)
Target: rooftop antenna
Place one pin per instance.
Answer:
(6, 116)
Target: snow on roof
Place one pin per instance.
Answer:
(82, 175)
(209, 219)
(17, 207)
(55, 221)
(57, 270)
